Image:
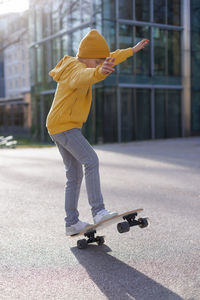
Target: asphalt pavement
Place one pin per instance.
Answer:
(37, 260)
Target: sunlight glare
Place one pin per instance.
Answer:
(14, 6)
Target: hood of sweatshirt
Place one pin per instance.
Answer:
(62, 68)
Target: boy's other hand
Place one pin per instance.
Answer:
(107, 67)
(141, 45)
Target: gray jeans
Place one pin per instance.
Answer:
(76, 151)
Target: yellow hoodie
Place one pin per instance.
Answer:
(72, 99)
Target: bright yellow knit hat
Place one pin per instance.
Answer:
(93, 45)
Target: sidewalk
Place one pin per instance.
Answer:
(161, 262)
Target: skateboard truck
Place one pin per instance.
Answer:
(129, 218)
(82, 244)
(131, 221)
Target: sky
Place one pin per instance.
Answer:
(13, 6)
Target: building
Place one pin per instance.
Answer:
(15, 101)
(150, 96)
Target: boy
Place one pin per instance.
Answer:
(70, 108)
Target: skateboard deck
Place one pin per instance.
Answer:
(129, 218)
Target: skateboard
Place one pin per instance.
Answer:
(129, 218)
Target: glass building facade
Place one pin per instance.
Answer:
(145, 97)
(195, 67)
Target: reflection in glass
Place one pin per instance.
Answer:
(167, 113)
(110, 34)
(47, 63)
(160, 51)
(143, 113)
(86, 10)
(142, 68)
(65, 14)
(173, 10)
(127, 115)
(142, 10)
(39, 63)
(126, 9)
(33, 65)
(32, 26)
(108, 9)
(195, 66)
(76, 38)
(65, 48)
(160, 114)
(46, 21)
(126, 41)
(97, 6)
(159, 11)
(106, 115)
(174, 114)
(174, 53)
(75, 12)
(38, 24)
(56, 45)
(55, 17)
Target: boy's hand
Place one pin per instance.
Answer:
(140, 45)
(107, 67)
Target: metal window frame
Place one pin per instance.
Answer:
(152, 87)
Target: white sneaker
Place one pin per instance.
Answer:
(103, 215)
(76, 228)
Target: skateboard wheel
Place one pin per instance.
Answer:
(82, 244)
(123, 227)
(143, 222)
(100, 240)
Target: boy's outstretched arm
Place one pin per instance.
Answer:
(122, 54)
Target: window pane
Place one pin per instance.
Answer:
(65, 40)
(142, 59)
(160, 54)
(127, 115)
(160, 114)
(195, 111)
(38, 24)
(126, 9)
(39, 61)
(195, 66)
(46, 21)
(106, 115)
(97, 14)
(32, 25)
(174, 56)
(56, 50)
(86, 10)
(108, 9)
(173, 9)
(65, 14)
(47, 101)
(32, 65)
(159, 11)
(76, 38)
(47, 63)
(126, 41)
(142, 10)
(174, 114)
(109, 35)
(143, 115)
(75, 13)
(55, 17)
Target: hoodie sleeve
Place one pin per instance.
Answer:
(57, 72)
(121, 54)
(83, 77)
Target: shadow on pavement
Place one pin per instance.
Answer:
(117, 280)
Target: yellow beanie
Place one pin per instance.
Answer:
(93, 45)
